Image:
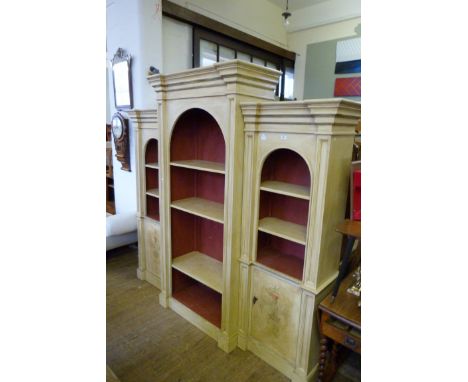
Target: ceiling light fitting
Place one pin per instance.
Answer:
(286, 14)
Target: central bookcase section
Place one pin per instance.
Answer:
(283, 212)
(197, 179)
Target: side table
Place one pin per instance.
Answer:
(339, 325)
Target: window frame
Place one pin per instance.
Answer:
(200, 33)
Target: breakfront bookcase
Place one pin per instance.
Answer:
(297, 158)
(239, 197)
(148, 204)
(201, 151)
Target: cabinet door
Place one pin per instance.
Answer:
(275, 313)
(152, 247)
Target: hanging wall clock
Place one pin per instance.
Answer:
(121, 140)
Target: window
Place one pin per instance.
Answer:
(208, 53)
(289, 83)
(226, 54)
(210, 47)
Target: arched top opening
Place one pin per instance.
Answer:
(197, 136)
(284, 165)
(151, 151)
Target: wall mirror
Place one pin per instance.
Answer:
(121, 73)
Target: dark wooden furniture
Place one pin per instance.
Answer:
(339, 325)
(351, 229)
(110, 203)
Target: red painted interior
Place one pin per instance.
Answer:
(286, 166)
(282, 255)
(197, 135)
(193, 233)
(186, 183)
(151, 155)
(152, 175)
(283, 207)
(356, 195)
(152, 207)
(197, 297)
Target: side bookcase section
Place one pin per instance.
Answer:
(201, 151)
(148, 201)
(296, 171)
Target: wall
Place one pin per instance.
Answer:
(177, 45)
(136, 26)
(259, 18)
(298, 42)
(108, 98)
(320, 69)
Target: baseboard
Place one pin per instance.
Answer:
(205, 326)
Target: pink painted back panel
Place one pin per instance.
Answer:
(151, 155)
(286, 166)
(196, 135)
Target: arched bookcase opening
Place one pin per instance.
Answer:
(152, 179)
(283, 212)
(197, 165)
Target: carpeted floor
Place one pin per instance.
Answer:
(147, 343)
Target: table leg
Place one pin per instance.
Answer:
(333, 360)
(323, 359)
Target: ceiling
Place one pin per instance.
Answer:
(295, 5)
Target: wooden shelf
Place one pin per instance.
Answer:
(201, 207)
(202, 268)
(277, 261)
(153, 192)
(154, 165)
(201, 165)
(284, 229)
(202, 300)
(287, 189)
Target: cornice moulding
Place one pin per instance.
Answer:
(231, 77)
(333, 116)
(143, 118)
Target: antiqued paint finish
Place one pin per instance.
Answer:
(153, 247)
(146, 127)
(275, 313)
(217, 90)
(287, 289)
(279, 326)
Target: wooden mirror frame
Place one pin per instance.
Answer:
(122, 57)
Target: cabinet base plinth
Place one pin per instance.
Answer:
(226, 343)
(163, 299)
(141, 274)
(196, 320)
(153, 279)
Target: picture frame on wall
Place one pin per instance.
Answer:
(122, 80)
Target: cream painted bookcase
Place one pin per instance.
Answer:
(200, 190)
(148, 204)
(296, 174)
